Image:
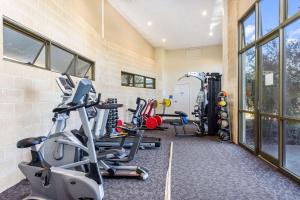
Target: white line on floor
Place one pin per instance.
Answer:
(168, 177)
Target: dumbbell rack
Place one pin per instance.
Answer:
(224, 132)
(112, 118)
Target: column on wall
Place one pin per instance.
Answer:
(230, 61)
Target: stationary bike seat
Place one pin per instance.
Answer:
(182, 114)
(29, 142)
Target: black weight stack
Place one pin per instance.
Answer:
(214, 87)
(113, 117)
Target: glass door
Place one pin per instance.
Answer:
(269, 101)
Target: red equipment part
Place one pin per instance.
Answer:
(151, 123)
(149, 108)
(119, 123)
(159, 119)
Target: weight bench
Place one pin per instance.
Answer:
(180, 122)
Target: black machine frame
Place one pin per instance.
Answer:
(211, 82)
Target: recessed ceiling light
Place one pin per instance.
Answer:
(149, 23)
(210, 33)
(204, 13)
(164, 40)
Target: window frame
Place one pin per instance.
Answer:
(92, 65)
(62, 49)
(128, 84)
(29, 34)
(134, 84)
(276, 32)
(259, 20)
(15, 26)
(241, 35)
(286, 8)
(153, 83)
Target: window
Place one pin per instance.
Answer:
(269, 65)
(127, 79)
(24, 46)
(139, 81)
(41, 58)
(293, 7)
(134, 80)
(269, 82)
(269, 16)
(248, 29)
(62, 61)
(292, 146)
(291, 68)
(150, 83)
(248, 128)
(269, 136)
(83, 68)
(248, 77)
(90, 73)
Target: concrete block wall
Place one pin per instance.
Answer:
(28, 94)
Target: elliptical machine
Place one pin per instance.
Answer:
(49, 182)
(64, 148)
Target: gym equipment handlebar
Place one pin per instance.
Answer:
(72, 108)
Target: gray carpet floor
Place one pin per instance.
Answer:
(156, 160)
(202, 169)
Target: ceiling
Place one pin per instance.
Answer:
(180, 22)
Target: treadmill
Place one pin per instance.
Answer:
(67, 85)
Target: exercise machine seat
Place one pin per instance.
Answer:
(29, 142)
(182, 114)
